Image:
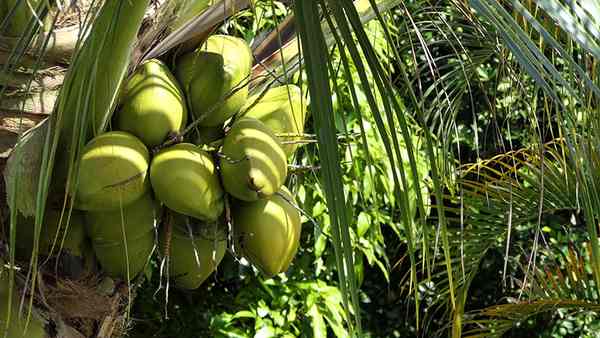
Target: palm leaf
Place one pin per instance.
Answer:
(500, 196)
(499, 319)
(315, 51)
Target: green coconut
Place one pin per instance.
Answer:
(206, 246)
(52, 233)
(64, 240)
(153, 105)
(267, 231)
(254, 164)
(184, 178)
(136, 219)
(113, 257)
(283, 110)
(211, 73)
(106, 229)
(18, 322)
(112, 173)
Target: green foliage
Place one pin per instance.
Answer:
(284, 308)
(263, 17)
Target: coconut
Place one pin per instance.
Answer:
(254, 164)
(136, 219)
(282, 109)
(153, 104)
(106, 229)
(18, 323)
(113, 257)
(267, 231)
(184, 178)
(112, 172)
(193, 256)
(211, 73)
(52, 232)
(63, 239)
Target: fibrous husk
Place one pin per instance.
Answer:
(153, 104)
(112, 172)
(267, 231)
(16, 327)
(283, 110)
(184, 178)
(208, 75)
(254, 164)
(123, 235)
(195, 255)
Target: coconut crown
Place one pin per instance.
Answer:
(207, 245)
(153, 104)
(185, 179)
(112, 172)
(214, 78)
(254, 164)
(267, 231)
(282, 109)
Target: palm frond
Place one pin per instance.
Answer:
(500, 319)
(500, 207)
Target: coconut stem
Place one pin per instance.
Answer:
(228, 219)
(296, 169)
(168, 217)
(168, 233)
(231, 160)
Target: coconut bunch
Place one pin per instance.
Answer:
(186, 145)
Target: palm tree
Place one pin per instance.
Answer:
(75, 74)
